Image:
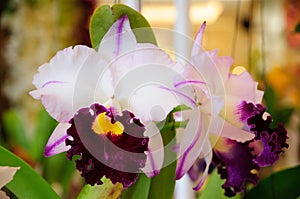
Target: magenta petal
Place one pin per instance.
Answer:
(273, 139)
(236, 166)
(118, 157)
(56, 143)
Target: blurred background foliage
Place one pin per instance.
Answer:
(32, 31)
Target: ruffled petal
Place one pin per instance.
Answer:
(155, 153)
(235, 164)
(59, 82)
(56, 143)
(119, 37)
(120, 157)
(6, 174)
(258, 122)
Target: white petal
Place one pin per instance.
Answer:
(151, 103)
(155, 153)
(207, 151)
(197, 46)
(3, 195)
(191, 144)
(118, 40)
(244, 87)
(145, 64)
(6, 174)
(56, 143)
(138, 81)
(69, 81)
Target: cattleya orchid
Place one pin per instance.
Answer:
(6, 175)
(106, 102)
(230, 121)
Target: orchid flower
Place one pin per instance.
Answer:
(106, 103)
(6, 175)
(229, 107)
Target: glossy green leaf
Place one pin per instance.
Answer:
(14, 128)
(26, 183)
(104, 16)
(283, 184)
(213, 188)
(107, 190)
(139, 190)
(162, 186)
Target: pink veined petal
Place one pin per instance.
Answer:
(155, 153)
(7, 174)
(191, 144)
(56, 143)
(197, 47)
(119, 37)
(56, 81)
(207, 150)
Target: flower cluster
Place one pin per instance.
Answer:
(108, 102)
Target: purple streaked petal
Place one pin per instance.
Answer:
(53, 82)
(190, 144)
(119, 33)
(188, 82)
(56, 143)
(185, 99)
(60, 81)
(197, 47)
(118, 40)
(207, 153)
(155, 153)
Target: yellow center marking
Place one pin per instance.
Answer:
(102, 125)
(238, 70)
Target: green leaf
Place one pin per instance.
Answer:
(26, 183)
(270, 99)
(139, 190)
(297, 28)
(162, 185)
(44, 128)
(100, 23)
(283, 115)
(283, 184)
(213, 188)
(107, 190)
(104, 16)
(13, 126)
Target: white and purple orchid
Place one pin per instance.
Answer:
(229, 107)
(106, 102)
